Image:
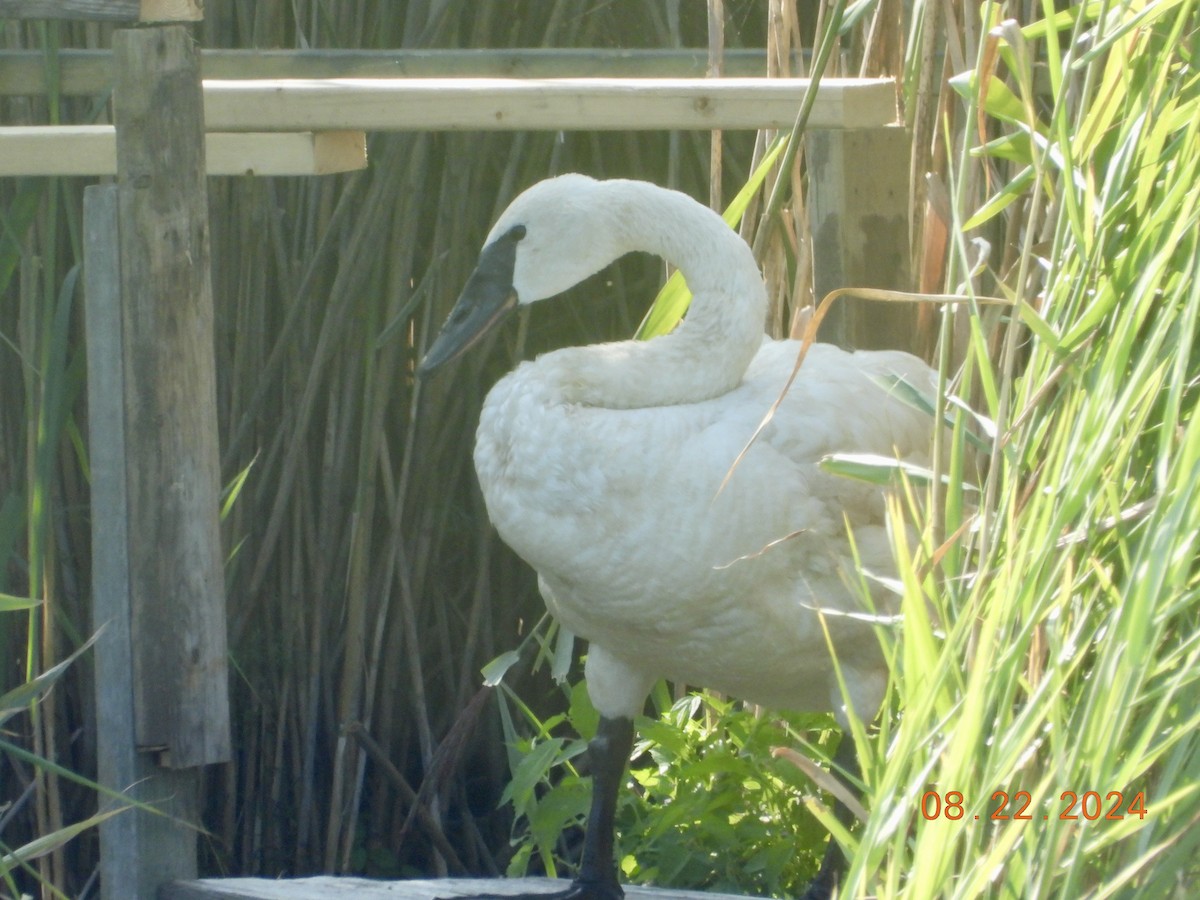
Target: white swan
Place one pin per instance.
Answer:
(602, 467)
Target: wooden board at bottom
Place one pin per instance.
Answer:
(327, 887)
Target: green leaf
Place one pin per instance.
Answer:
(48, 843)
(876, 469)
(564, 655)
(1038, 325)
(18, 699)
(494, 672)
(10, 603)
(1002, 199)
(15, 220)
(583, 715)
(1000, 102)
(532, 769)
(233, 490)
(912, 397)
(564, 805)
(1063, 20)
(1015, 147)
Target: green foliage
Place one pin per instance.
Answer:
(1050, 626)
(711, 807)
(25, 698)
(42, 634)
(714, 808)
(547, 793)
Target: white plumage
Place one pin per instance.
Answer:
(602, 466)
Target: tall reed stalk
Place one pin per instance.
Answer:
(1043, 738)
(43, 539)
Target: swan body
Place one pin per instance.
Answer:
(611, 468)
(640, 550)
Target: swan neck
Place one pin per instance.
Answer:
(708, 352)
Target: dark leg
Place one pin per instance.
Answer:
(609, 751)
(833, 866)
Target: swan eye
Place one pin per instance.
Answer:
(515, 233)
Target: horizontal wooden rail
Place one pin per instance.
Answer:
(104, 10)
(92, 150)
(90, 72)
(328, 887)
(252, 124)
(588, 104)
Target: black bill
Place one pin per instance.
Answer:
(485, 301)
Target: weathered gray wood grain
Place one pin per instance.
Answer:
(139, 850)
(173, 481)
(331, 888)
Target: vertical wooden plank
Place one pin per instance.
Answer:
(178, 636)
(858, 208)
(138, 850)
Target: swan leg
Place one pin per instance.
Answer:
(833, 865)
(609, 751)
(597, 880)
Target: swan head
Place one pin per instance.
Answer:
(551, 237)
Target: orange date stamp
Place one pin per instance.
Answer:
(1071, 806)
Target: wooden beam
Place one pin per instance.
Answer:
(105, 10)
(589, 104)
(89, 72)
(160, 11)
(286, 153)
(92, 150)
(858, 212)
(180, 673)
(324, 887)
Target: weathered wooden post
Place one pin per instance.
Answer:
(159, 589)
(858, 209)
